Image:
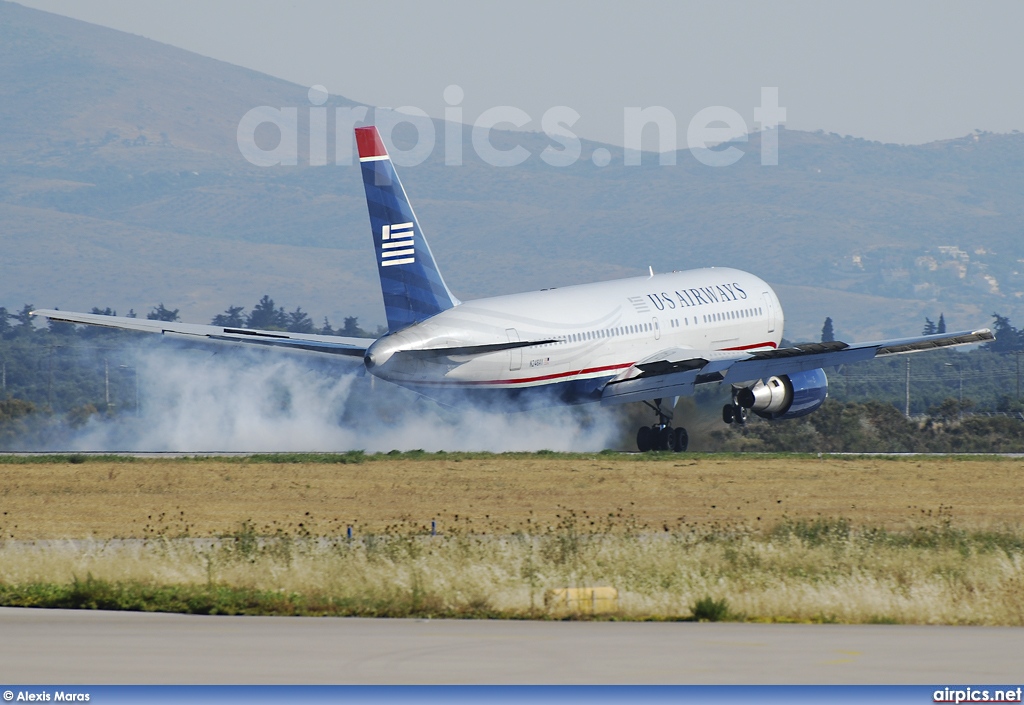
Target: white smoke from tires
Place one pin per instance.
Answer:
(195, 400)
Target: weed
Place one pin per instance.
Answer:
(822, 570)
(815, 532)
(708, 609)
(243, 543)
(882, 619)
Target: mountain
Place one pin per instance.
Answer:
(122, 185)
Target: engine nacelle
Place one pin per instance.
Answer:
(786, 396)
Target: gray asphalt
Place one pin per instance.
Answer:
(73, 647)
(245, 454)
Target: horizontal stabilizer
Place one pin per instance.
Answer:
(327, 344)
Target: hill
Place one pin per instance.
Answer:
(122, 185)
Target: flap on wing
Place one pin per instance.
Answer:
(663, 367)
(329, 344)
(675, 372)
(641, 388)
(809, 356)
(796, 359)
(669, 373)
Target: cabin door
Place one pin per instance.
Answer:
(515, 355)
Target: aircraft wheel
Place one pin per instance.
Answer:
(680, 440)
(644, 439)
(728, 413)
(665, 439)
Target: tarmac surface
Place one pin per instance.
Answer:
(87, 647)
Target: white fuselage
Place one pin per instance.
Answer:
(597, 330)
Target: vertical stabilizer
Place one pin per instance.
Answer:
(409, 279)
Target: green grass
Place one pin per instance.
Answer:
(359, 456)
(64, 458)
(134, 596)
(825, 570)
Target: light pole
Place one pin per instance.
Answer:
(960, 369)
(1017, 354)
(135, 370)
(906, 410)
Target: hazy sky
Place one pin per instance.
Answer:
(907, 72)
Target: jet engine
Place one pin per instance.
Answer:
(785, 396)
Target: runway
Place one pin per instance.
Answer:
(85, 647)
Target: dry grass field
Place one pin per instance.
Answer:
(849, 539)
(500, 493)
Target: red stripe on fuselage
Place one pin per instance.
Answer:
(768, 344)
(560, 375)
(528, 380)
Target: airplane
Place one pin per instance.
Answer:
(649, 339)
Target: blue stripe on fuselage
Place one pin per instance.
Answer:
(575, 391)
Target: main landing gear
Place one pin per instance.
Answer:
(734, 413)
(661, 436)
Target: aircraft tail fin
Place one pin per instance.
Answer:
(409, 278)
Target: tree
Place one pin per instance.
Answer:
(24, 317)
(827, 334)
(327, 330)
(24, 325)
(264, 315)
(951, 409)
(160, 313)
(351, 329)
(1008, 338)
(5, 321)
(941, 327)
(60, 327)
(929, 327)
(299, 322)
(232, 318)
(96, 331)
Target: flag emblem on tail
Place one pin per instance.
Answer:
(397, 245)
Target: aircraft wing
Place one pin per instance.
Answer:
(329, 344)
(675, 372)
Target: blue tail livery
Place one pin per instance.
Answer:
(412, 285)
